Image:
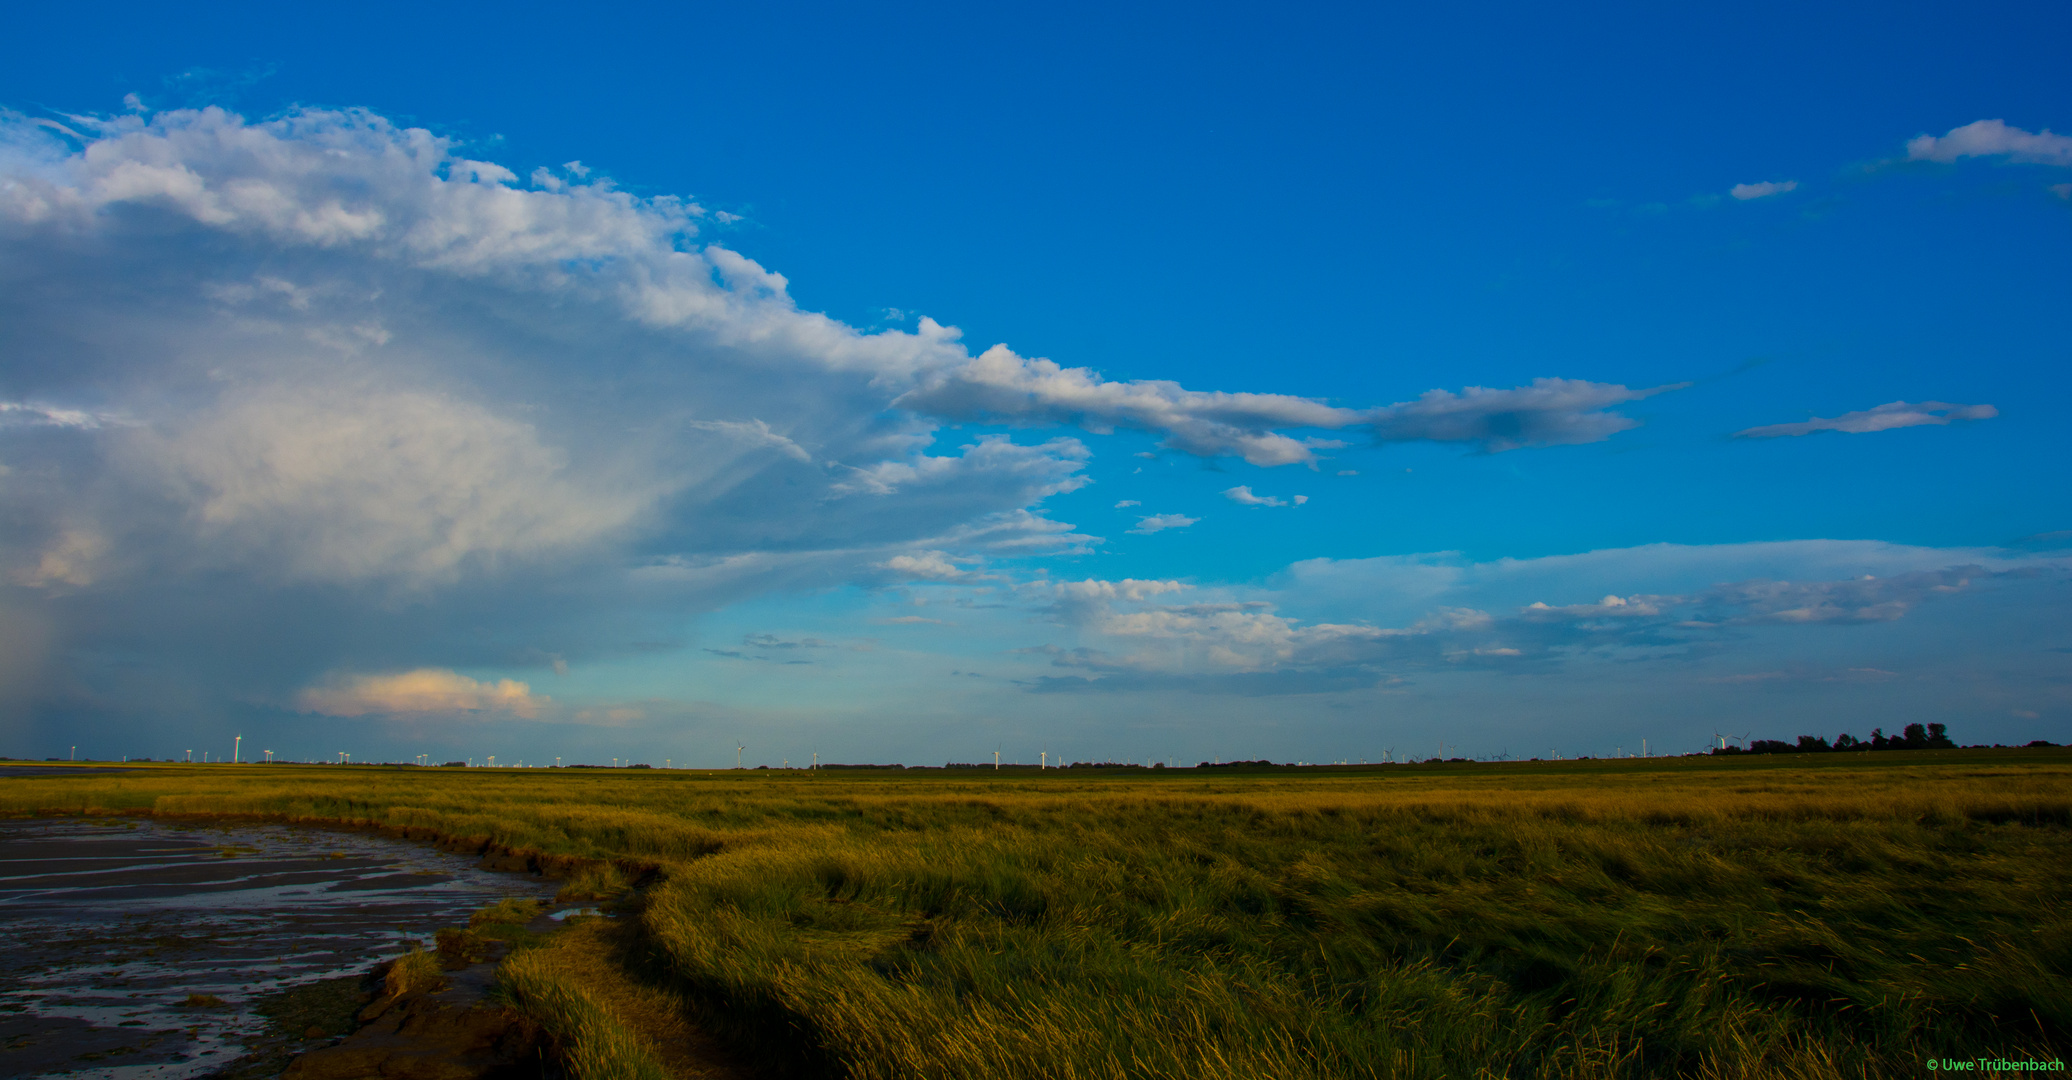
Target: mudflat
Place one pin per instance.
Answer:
(148, 949)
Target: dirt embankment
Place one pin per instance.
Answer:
(460, 1029)
(432, 1037)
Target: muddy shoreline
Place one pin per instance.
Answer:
(155, 947)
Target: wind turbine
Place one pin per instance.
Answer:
(737, 754)
(996, 761)
(237, 750)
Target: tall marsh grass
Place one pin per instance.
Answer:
(593, 1044)
(1682, 917)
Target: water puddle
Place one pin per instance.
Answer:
(138, 950)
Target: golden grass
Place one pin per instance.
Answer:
(606, 1024)
(415, 972)
(509, 911)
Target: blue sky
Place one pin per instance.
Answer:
(627, 387)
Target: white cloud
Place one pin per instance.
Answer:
(1993, 138)
(1000, 385)
(1127, 503)
(16, 413)
(1763, 189)
(925, 566)
(1613, 606)
(348, 484)
(1242, 495)
(425, 690)
(1161, 522)
(352, 379)
(1550, 412)
(378, 371)
(1046, 469)
(1886, 417)
(1125, 589)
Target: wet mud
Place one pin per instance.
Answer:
(455, 1033)
(143, 950)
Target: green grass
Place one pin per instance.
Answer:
(1838, 915)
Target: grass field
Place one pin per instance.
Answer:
(1790, 916)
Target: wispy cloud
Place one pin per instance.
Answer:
(998, 384)
(1993, 138)
(1763, 189)
(1138, 629)
(1886, 417)
(1002, 386)
(1162, 522)
(1550, 412)
(926, 566)
(16, 413)
(772, 641)
(1242, 495)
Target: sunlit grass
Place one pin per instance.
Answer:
(415, 972)
(1849, 915)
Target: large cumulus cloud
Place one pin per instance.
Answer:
(329, 370)
(324, 397)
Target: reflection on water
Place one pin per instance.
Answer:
(110, 926)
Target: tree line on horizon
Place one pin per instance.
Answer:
(1912, 737)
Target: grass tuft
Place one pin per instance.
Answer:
(592, 1043)
(510, 911)
(415, 972)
